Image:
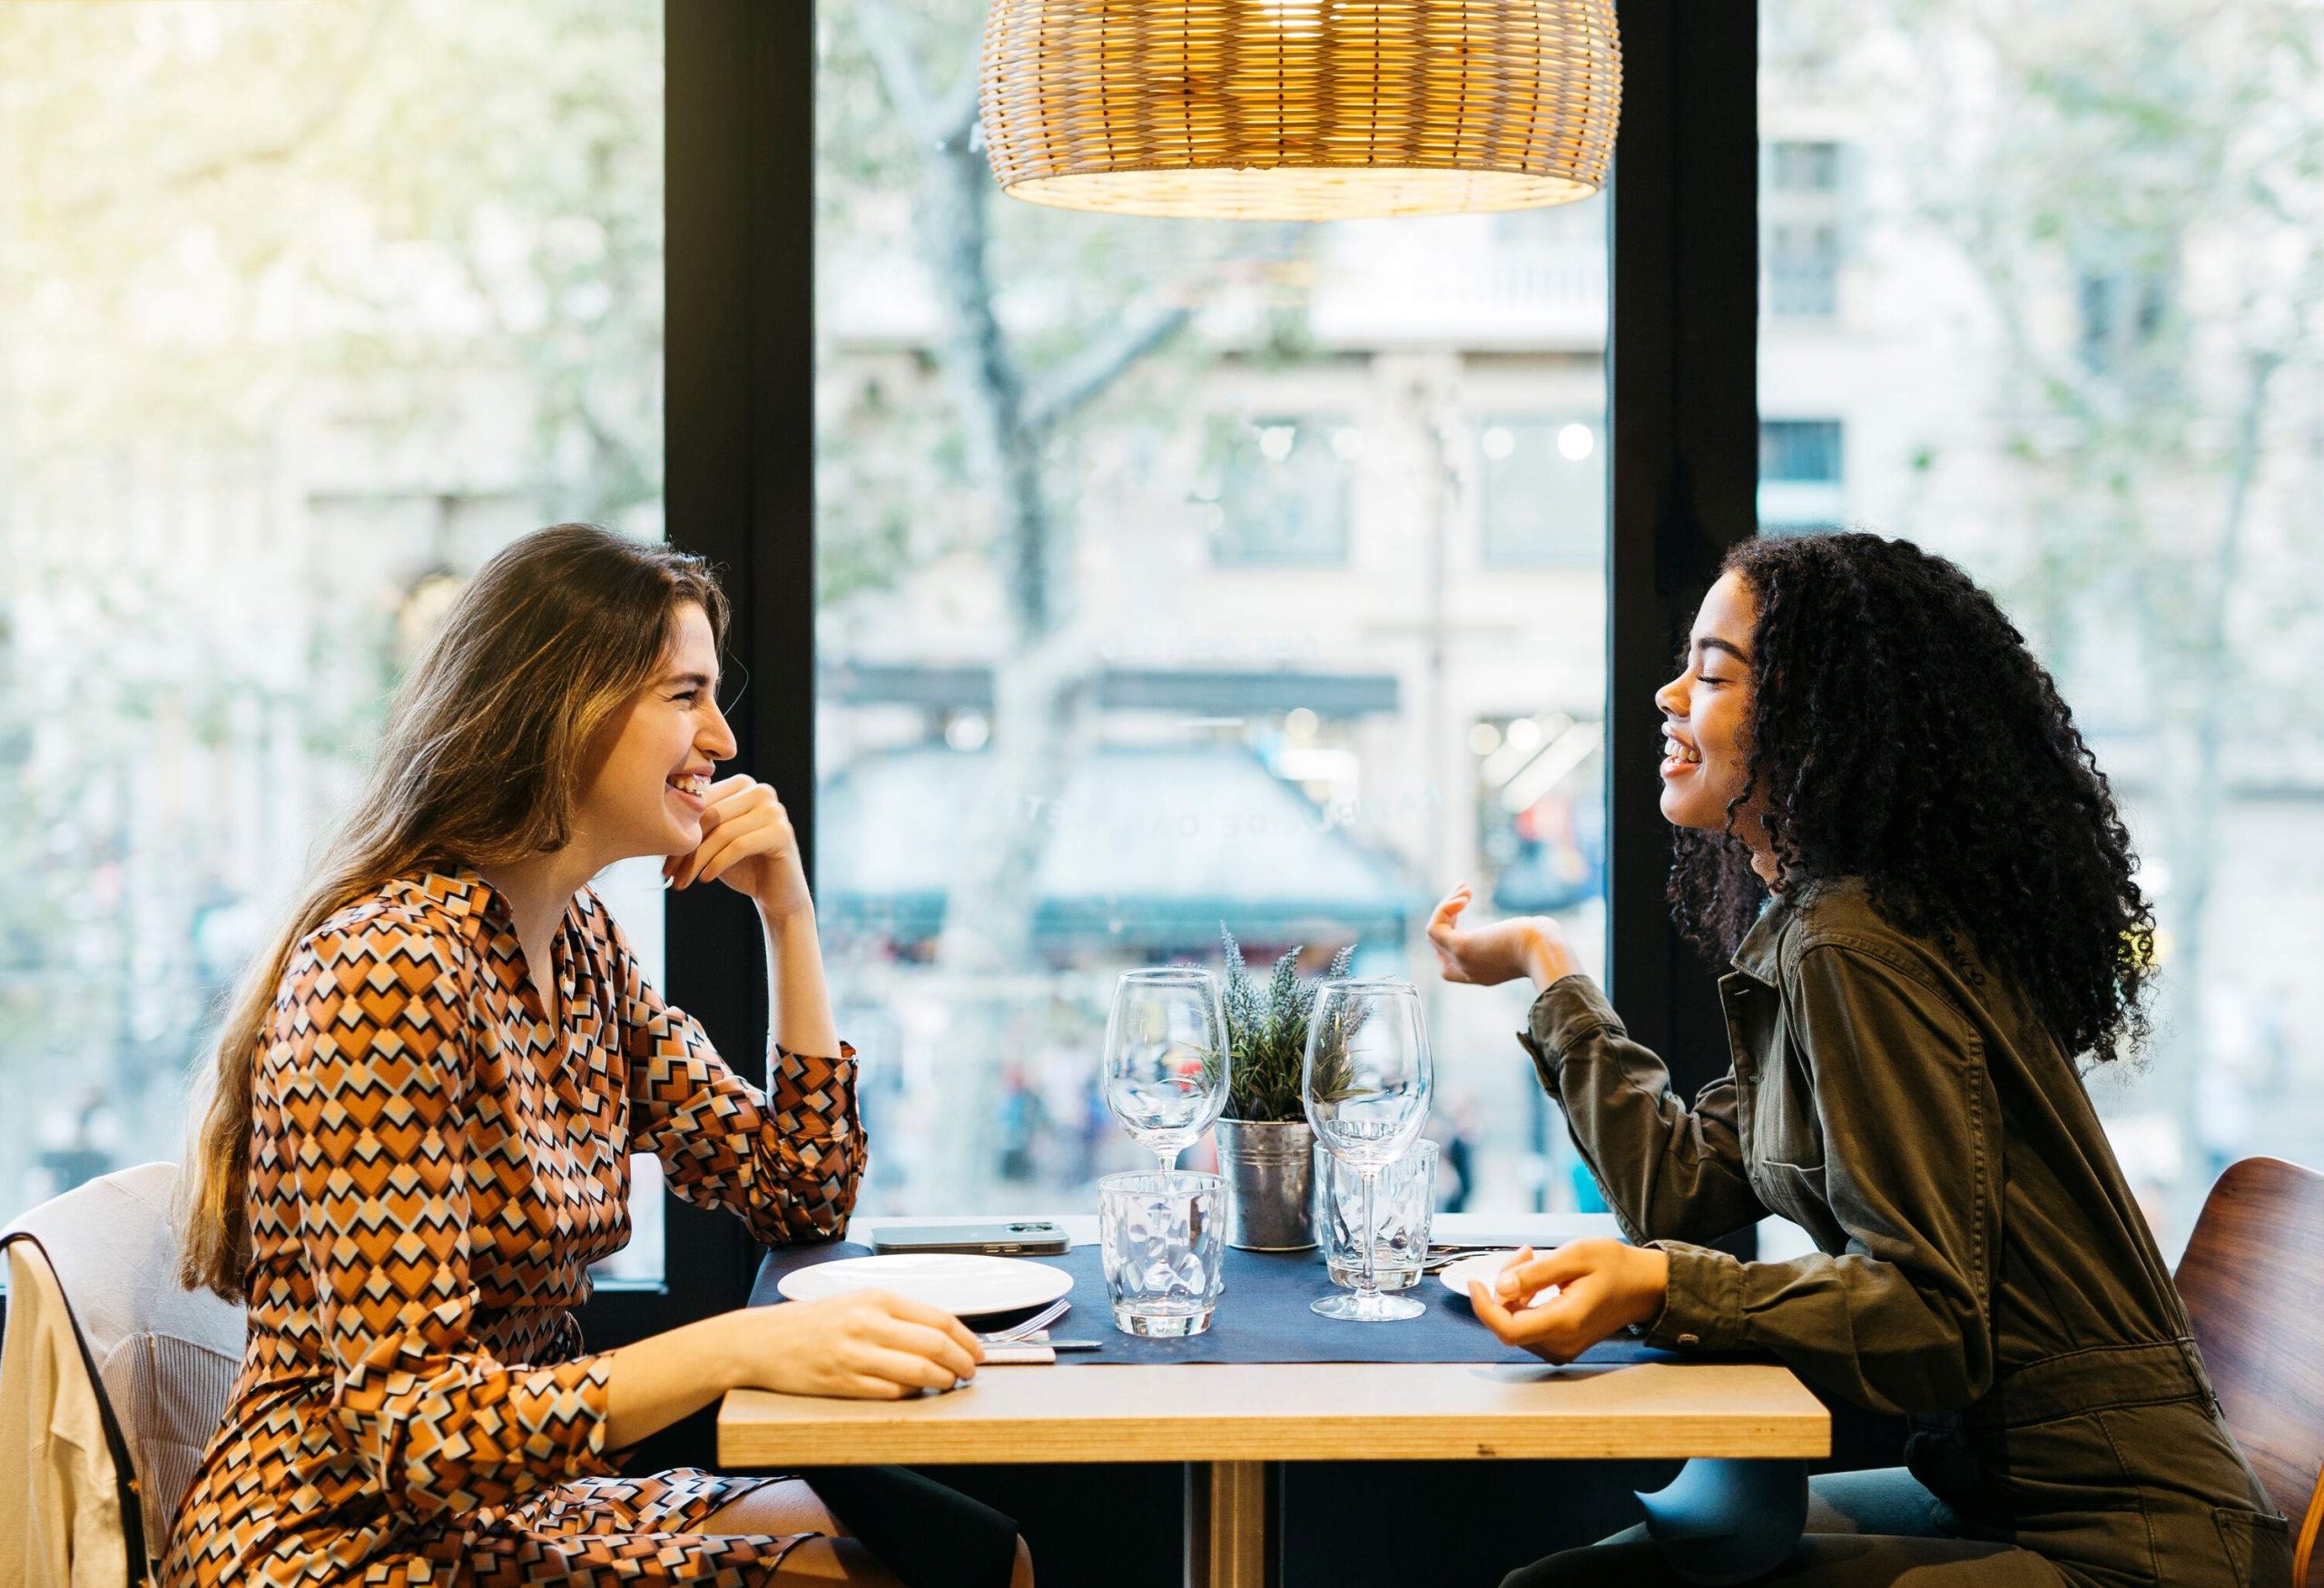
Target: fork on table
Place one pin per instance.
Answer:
(1031, 1326)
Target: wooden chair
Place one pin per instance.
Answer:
(2253, 1279)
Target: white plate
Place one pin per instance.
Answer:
(958, 1282)
(1485, 1267)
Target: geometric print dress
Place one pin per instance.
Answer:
(433, 1169)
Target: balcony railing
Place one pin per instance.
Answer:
(1456, 284)
(1436, 284)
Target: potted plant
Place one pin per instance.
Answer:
(1265, 1148)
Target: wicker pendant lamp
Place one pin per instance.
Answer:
(1302, 110)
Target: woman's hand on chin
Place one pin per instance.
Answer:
(1486, 956)
(748, 843)
(1603, 1285)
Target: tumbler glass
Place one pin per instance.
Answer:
(1162, 1238)
(1404, 1200)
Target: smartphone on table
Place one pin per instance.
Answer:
(1021, 1238)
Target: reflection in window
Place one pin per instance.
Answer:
(1276, 490)
(270, 394)
(1543, 809)
(1541, 491)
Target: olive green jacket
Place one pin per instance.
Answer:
(1980, 1264)
(1925, 1132)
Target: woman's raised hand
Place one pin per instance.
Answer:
(866, 1345)
(1602, 1285)
(748, 843)
(1523, 945)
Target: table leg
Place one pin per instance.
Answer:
(1227, 1523)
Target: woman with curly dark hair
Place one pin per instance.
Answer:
(1889, 824)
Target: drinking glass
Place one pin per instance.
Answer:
(1166, 1058)
(1404, 1207)
(1366, 1084)
(1162, 1240)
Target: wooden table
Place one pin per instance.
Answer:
(1227, 1422)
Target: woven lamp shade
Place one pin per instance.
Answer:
(1302, 110)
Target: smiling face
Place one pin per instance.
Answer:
(646, 796)
(1705, 713)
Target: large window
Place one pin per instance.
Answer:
(2081, 354)
(309, 308)
(1156, 596)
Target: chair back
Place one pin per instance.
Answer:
(2253, 1280)
(165, 1358)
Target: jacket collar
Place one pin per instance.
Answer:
(1760, 953)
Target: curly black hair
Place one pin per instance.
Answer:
(1901, 732)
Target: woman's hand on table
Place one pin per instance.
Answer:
(1603, 1287)
(1486, 956)
(867, 1344)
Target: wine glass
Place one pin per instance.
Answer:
(1166, 1058)
(1365, 1083)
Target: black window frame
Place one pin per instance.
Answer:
(1682, 379)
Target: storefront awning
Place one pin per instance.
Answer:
(1146, 849)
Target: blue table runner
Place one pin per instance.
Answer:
(1262, 1317)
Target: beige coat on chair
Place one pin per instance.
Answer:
(100, 1273)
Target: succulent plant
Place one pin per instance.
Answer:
(1266, 1035)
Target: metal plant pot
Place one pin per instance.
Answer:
(1270, 1172)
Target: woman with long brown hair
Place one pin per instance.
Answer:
(425, 1099)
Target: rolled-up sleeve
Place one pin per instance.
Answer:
(1667, 1169)
(1900, 1319)
(787, 1159)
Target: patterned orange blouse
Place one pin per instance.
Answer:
(433, 1169)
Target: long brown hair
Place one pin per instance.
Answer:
(482, 763)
